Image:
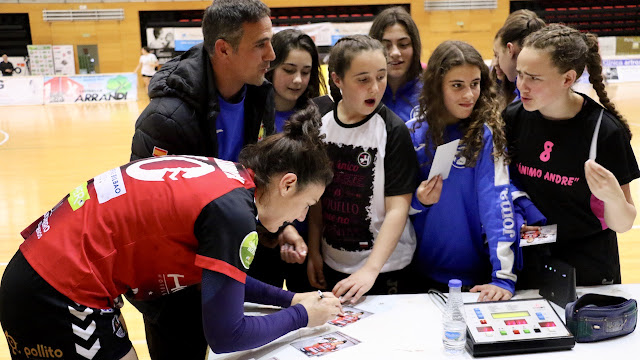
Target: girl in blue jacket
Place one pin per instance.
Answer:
(465, 224)
(395, 29)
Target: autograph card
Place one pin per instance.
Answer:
(324, 344)
(443, 159)
(547, 234)
(351, 315)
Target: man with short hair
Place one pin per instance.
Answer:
(210, 101)
(6, 67)
(213, 99)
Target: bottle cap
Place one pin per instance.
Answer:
(455, 283)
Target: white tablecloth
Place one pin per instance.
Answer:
(409, 327)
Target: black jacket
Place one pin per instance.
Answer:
(181, 117)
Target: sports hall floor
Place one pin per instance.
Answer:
(46, 151)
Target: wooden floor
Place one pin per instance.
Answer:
(45, 151)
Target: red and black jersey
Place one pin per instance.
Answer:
(147, 228)
(319, 348)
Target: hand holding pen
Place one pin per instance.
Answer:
(321, 307)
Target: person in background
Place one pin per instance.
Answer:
(6, 67)
(210, 101)
(86, 62)
(399, 34)
(360, 237)
(465, 224)
(507, 44)
(578, 183)
(506, 89)
(295, 74)
(296, 77)
(135, 229)
(147, 66)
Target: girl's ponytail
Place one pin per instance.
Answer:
(298, 149)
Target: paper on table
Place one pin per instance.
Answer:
(443, 159)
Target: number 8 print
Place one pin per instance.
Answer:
(546, 154)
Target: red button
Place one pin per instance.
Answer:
(483, 321)
(516, 332)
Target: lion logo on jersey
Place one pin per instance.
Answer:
(156, 169)
(248, 249)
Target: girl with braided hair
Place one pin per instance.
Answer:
(465, 224)
(571, 155)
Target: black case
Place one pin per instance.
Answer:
(558, 283)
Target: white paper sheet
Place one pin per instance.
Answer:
(443, 159)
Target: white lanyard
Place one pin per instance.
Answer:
(594, 140)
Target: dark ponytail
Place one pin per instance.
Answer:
(297, 149)
(570, 49)
(518, 25)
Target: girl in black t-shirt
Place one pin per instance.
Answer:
(570, 155)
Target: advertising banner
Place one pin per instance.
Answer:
(63, 60)
(617, 69)
(90, 88)
(41, 59)
(319, 32)
(326, 34)
(162, 38)
(341, 30)
(19, 65)
(627, 45)
(607, 46)
(21, 90)
(186, 37)
(621, 70)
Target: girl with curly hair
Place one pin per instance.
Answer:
(465, 224)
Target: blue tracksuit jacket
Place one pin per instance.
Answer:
(471, 231)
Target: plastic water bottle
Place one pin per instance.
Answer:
(455, 328)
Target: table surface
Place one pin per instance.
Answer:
(410, 327)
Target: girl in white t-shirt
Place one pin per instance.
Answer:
(148, 63)
(360, 238)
